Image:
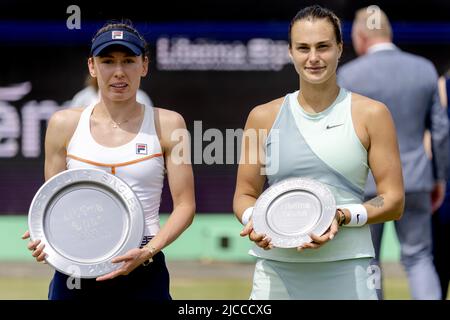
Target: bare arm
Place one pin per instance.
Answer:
(55, 146)
(250, 178)
(59, 130)
(180, 178)
(384, 161)
(250, 181)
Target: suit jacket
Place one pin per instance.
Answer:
(407, 85)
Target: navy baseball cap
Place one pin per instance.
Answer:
(121, 37)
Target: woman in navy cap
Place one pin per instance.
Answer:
(132, 141)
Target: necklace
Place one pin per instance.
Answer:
(116, 125)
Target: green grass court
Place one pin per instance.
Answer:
(209, 261)
(189, 289)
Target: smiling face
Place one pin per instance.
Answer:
(118, 73)
(314, 50)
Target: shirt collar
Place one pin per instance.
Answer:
(381, 47)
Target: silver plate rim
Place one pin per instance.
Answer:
(64, 179)
(320, 190)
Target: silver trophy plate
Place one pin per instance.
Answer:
(290, 210)
(85, 218)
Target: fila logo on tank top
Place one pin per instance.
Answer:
(139, 162)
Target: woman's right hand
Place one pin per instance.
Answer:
(261, 240)
(35, 247)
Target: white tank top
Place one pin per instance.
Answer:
(139, 162)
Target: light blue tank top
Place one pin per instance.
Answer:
(324, 147)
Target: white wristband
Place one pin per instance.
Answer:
(247, 215)
(358, 215)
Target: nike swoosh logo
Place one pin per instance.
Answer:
(334, 126)
(357, 218)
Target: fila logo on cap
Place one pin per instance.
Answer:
(117, 35)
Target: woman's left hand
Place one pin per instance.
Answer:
(131, 260)
(318, 241)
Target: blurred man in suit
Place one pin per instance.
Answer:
(441, 218)
(407, 84)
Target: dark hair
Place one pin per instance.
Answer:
(318, 12)
(122, 24)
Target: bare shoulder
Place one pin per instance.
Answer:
(61, 127)
(168, 122)
(167, 119)
(368, 109)
(65, 121)
(66, 117)
(264, 115)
